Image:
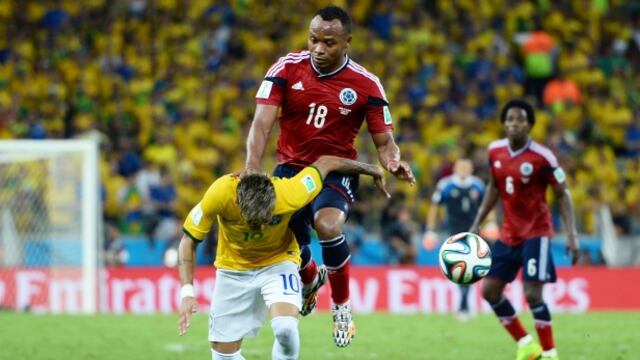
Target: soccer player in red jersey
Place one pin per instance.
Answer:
(321, 97)
(521, 170)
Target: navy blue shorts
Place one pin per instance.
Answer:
(338, 192)
(533, 256)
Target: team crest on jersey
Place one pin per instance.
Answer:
(348, 96)
(526, 169)
(497, 164)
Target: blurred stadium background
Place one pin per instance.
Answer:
(158, 97)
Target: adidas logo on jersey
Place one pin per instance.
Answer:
(298, 86)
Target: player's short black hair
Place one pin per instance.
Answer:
(522, 104)
(334, 12)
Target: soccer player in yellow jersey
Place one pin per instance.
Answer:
(258, 257)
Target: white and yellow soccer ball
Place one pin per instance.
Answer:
(465, 258)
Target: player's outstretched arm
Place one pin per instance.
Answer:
(566, 211)
(263, 121)
(488, 202)
(389, 155)
(326, 164)
(186, 261)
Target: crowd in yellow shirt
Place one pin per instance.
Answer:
(169, 84)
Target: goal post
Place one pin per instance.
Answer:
(50, 225)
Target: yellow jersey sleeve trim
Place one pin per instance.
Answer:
(186, 232)
(319, 173)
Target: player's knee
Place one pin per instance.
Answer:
(533, 294)
(491, 293)
(328, 223)
(328, 229)
(285, 330)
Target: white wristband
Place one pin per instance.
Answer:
(187, 290)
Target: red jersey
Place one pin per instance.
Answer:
(322, 113)
(522, 178)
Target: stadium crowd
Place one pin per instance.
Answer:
(168, 87)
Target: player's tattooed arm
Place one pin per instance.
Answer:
(326, 164)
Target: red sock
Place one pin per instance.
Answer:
(308, 274)
(514, 327)
(339, 281)
(545, 334)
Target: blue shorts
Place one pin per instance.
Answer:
(533, 256)
(338, 192)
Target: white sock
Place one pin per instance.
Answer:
(286, 345)
(525, 340)
(220, 356)
(550, 352)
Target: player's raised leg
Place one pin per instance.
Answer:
(313, 278)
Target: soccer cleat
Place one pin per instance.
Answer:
(310, 295)
(553, 357)
(531, 351)
(344, 329)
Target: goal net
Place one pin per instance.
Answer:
(50, 226)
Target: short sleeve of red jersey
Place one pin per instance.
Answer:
(377, 109)
(551, 169)
(271, 89)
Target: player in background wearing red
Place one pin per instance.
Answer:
(521, 170)
(321, 98)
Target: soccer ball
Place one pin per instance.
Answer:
(465, 258)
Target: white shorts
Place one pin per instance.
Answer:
(241, 299)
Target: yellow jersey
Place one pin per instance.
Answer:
(240, 247)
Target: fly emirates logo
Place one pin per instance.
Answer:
(408, 291)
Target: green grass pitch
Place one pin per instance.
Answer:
(605, 335)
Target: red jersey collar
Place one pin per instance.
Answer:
(321, 75)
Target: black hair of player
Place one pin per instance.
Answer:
(334, 12)
(522, 104)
